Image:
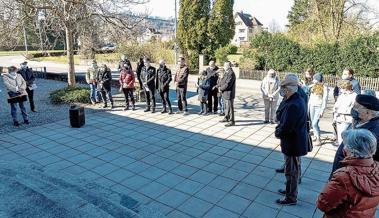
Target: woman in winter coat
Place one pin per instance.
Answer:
(317, 103)
(353, 191)
(16, 89)
(270, 93)
(203, 86)
(127, 80)
(342, 108)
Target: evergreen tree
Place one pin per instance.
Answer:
(192, 27)
(298, 13)
(221, 26)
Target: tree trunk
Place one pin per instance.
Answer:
(70, 57)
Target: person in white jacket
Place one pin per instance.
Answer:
(342, 108)
(270, 92)
(317, 103)
(16, 89)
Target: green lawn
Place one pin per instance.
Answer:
(111, 57)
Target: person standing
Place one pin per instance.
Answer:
(308, 80)
(181, 81)
(16, 88)
(140, 66)
(28, 75)
(270, 93)
(292, 132)
(228, 89)
(203, 86)
(124, 60)
(221, 104)
(365, 114)
(104, 78)
(353, 191)
(92, 82)
(342, 108)
(163, 84)
(317, 103)
(348, 74)
(127, 80)
(148, 77)
(212, 78)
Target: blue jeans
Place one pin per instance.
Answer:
(14, 111)
(314, 112)
(221, 104)
(94, 95)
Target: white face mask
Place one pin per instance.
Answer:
(345, 77)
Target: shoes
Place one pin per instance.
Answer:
(164, 111)
(285, 202)
(230, 124)
(26, 122)
(16, 123)
(34, 110)
(215, 112)
(265, 122)
(179, 112)
(147, 110)
(201, 113)
(112, 106)
(133, 108)
(224, 120)
(105, 106)
(282, 191)
(153, 110)
(170, 112)
(281, 170)
(222, 114)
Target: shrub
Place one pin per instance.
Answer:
(70, 95)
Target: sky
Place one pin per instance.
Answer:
(266, 11)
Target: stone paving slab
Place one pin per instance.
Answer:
(186, 166)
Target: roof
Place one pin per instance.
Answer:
(248, 20)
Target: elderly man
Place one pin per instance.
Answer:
(292, 132)
(148, 77)
(227, 87)
(212, 77)
(181, 81)
(365, 113)
(92, 82)
(104, 85)
(28, 75)
(163, 84)
(353, 191)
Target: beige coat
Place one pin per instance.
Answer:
(12, 82)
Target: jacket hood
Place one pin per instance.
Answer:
(364, 174)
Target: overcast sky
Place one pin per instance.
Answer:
(265, 11)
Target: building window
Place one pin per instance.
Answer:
(242, 30)
(242, 38)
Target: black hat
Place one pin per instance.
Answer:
(368, 101)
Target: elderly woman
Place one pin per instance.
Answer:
(270, 93)
(317, 104)
(16, 89)
(342, 108)
(353, 191)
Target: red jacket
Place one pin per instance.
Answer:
(353, 191)
(128, 78)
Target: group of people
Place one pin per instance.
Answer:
(20, 86)
(215, 87)
(353, 189)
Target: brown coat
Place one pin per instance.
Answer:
(353, 191)
(181, 77)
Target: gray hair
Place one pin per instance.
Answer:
(292, 89)
(361, 143)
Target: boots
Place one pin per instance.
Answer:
(164, 109)
(170, 111)
(147, 109)
(153, 110)
(133, 107)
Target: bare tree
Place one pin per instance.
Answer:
(70, 13)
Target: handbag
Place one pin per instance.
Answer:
(125, 85)
(14, 94)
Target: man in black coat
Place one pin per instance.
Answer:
(228, 89)
(293, 136)
(148, 77)
(104, 78)
(212, 78)
(29, 78)
(365, 113)
(163, 84)
(140, 66)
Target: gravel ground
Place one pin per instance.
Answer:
(46, 112)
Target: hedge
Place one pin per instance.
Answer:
(70, 95)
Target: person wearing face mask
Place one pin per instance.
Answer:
(104, 78)
(228, 90)
(317, 103)
(140, 66)
(148, 77)
(293, 136)
(92, 82)
(124, 60)
(212, 96)
(353, 191)
(221, 102)
(163, 84)
(28, 75)
(365, 114)
(16, 88)
(181, 81)
(308, 81)
(342, 108)
(127, 80)
(270, 93)
(347, 74)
